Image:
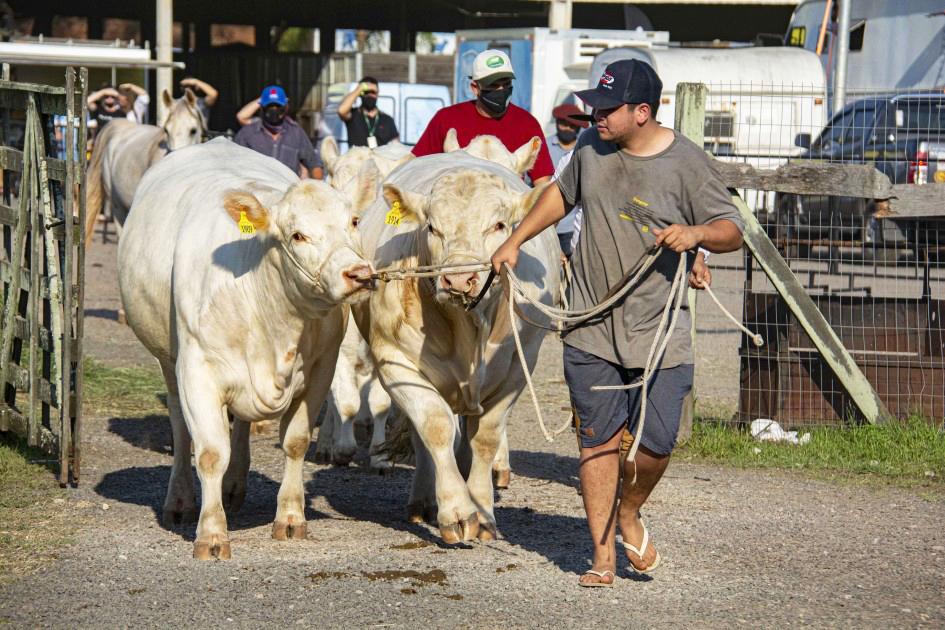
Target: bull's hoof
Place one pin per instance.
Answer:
(488, 532)
(322, 457)
(216, 547)
(501, 478)
(289, 530)
(421, 512)
(466, 529)
(341, 459)
(180, 516)
(380, 464)
(122, 318)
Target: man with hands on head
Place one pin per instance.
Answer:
(640, 185)
(367, 125)
(206, 94)
(275, 134)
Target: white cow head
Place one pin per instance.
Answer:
(184, 124)
(344, 168)
(491, 148)
(316, 240)
(467, 216)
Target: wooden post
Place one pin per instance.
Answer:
(690, 122)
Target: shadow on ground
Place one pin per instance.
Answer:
(102, 313)
(146, 486)
(382, 499)
(151, 432)
(548, 466)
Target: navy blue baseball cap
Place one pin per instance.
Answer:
(273, 95)
(624, 81)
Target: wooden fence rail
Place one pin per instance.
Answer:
(42, 267)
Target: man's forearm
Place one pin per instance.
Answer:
(344, 109)
(719, 236)
(548, 210)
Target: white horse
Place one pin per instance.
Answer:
(125, 150)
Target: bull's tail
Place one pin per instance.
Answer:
(94, 183)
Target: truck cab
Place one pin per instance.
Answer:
(903, 136)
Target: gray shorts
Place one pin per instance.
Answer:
(602, 414)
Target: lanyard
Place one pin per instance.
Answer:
(370, 127)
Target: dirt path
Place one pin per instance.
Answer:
(741, 547)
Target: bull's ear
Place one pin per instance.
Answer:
(451, 141)
(168, 101)
(330, 153)
(363, 189)
(527, 200)
(411, 206)
(246, 211)
(190, 96)
(526, 155)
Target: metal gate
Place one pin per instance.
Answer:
(42, 158)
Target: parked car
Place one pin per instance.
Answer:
(903, 136)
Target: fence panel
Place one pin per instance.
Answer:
(867, 248)
(42, 159)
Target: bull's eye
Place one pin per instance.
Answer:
(355, 221)
(432, 230)
(298, 237)
(193, 131)
(499, 226)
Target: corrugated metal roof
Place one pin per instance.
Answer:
(779, 3)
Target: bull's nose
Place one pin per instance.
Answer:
(359, 275)
(460, 282)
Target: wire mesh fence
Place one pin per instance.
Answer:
(878, 278)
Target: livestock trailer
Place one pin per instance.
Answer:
(895, 46)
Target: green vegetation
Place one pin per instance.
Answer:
(34, 514)
(909, 453)
(29, 530)
(128, 391)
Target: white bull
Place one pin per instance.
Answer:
(232, 273)
(436, 360)
(356, 394)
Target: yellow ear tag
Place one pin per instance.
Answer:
(394, 216)
(246, 226)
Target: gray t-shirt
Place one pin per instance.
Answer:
(624, 198)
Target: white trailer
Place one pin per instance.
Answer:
(549, 63)
(759, 98)
(895, 46)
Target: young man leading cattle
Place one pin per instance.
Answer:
(640, 185)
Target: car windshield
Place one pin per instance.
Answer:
(852, 126)
(921, 115)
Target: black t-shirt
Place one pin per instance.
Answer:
(360, 127)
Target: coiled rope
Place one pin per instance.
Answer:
(568, 319)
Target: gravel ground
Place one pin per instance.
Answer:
(741, 547)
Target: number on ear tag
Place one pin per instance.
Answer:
(394, 216)
(246, 226)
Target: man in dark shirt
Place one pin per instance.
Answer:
(367, 125)
(278, 136)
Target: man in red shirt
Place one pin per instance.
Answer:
(490, 114)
